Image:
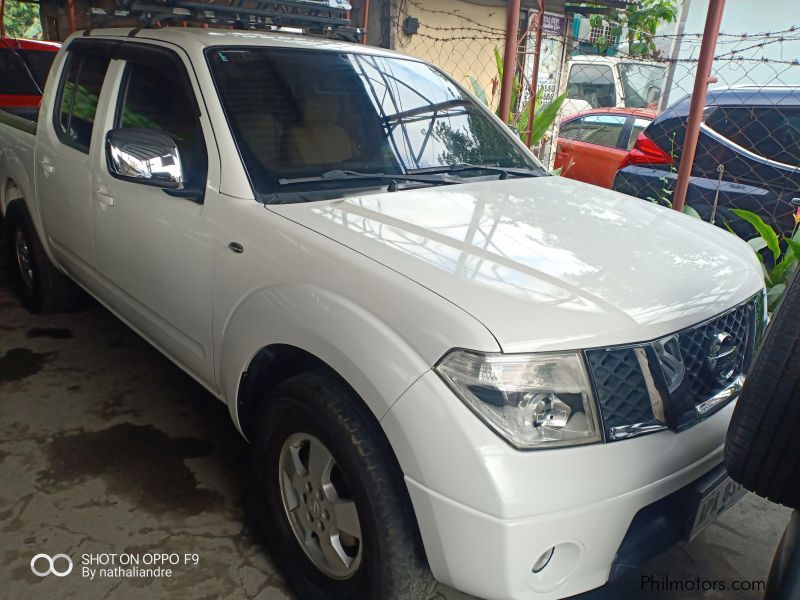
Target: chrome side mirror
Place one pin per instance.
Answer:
(144, 156)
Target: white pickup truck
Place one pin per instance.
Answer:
(451, 366)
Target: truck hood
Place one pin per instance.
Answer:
(547, 263)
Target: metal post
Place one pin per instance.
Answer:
(509, 59)
(71, 16)
(701, 81)
(535, 74)
(674, 54)
(366, 16)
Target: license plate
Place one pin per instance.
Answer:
(724, 495)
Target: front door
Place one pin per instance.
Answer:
(153, 250)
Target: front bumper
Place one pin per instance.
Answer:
(487, 512)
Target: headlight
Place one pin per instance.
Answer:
(531, 400)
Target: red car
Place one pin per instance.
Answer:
(592, 144)
(24, 65)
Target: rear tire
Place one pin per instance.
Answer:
(762, 449)
(379, 555)
(42, 287)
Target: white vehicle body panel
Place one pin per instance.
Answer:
(548, 263)
(380, 287)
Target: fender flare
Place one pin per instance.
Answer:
(372, 358)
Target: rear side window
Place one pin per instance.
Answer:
(770, 131)
(571, 130)
(21, 71)
(78, 94)
(603, 130)
(153, 98)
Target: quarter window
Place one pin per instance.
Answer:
(639, 126)
(78, 96)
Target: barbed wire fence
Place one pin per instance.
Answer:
(596, 71)
(462, 42)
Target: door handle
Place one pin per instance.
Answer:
(47, 166)
(103, 195)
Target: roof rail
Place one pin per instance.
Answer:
(318, 17)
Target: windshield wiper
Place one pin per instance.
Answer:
(458, 167)
(342, 175)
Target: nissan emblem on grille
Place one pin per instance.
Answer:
(723, 356)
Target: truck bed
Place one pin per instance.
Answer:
(23, 119)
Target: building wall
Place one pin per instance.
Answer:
(457, 36)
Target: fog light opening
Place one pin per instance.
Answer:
(543, 560)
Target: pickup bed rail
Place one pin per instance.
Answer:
(18, 122)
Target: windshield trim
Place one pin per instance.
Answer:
(261, 196)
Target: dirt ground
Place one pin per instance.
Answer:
(106, 447)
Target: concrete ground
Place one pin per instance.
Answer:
(106, 447)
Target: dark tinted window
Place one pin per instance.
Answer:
(572, 129)
(22, 70)
(39, 63)
(155, 99)
(772, 132)
(359, 112)
(592, 83)
(603, 130)
(78, 96)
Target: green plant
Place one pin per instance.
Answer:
(785, 254)
(639, 20)
(543, 117)
(19, 17)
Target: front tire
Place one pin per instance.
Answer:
(42, 287)
(331, 497)
(762, 448)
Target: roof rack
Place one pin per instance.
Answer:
(319, 17)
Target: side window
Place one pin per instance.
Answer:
(639, 125)
(14, 77)
(770, 131)
(78, 94)
(153, 98)
(571, 130)
(603, 130)
(592, 83)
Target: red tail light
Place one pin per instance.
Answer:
(646, 152)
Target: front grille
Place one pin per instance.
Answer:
(676, 381)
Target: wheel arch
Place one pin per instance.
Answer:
(278, 331)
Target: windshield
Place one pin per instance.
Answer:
(301, 113)
(642, 84)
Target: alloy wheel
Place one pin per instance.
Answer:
(320, 506)
(24, 259)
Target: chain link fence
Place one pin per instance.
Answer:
(748, 154)
(464, 41)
